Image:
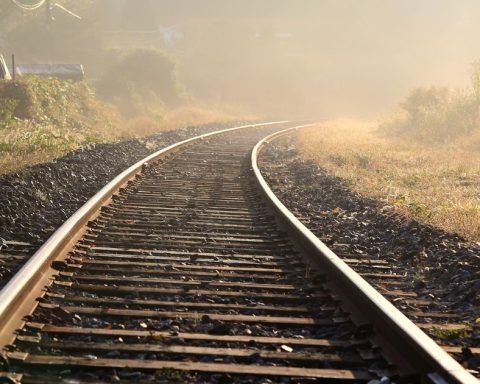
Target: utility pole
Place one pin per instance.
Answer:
(48, 10)
(13, 67)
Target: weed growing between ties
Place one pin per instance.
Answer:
(449, 334)
(435, 184)
(173, 374)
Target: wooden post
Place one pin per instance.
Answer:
(48, 9)
(13, 67)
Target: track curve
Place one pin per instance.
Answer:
(178, 270)
(411, 340)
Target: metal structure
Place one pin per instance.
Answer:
(61, 71)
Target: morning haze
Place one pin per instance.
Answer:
(321, 58)
(283, 58)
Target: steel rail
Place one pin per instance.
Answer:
(408, 340)
(17, 298)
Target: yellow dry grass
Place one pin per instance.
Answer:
(178, 118)
(438, 185)
(27, 143)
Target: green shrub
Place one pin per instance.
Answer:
(7, 111)
(18, 91)
(50, 101)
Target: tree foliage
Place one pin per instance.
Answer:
(142, 76)
(438, 114)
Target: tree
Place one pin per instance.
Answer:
(142, 77)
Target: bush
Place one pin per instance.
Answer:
(438, 114)
(22, 106)
(7, 111)
(41, 102)
(142, 78)
(434, 114)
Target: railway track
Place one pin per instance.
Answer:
(186, 269)
(423, 304)
(13, 254)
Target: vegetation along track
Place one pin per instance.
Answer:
(185, 268)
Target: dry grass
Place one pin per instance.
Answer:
(28, 143)
(437, 184)
(178, 118)
(42, 119)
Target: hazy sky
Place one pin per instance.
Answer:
(320, 57)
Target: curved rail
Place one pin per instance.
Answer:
(407, 338)
(17, 296)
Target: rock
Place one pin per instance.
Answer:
(286, 348)
(220, 329)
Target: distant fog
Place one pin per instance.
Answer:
(322, 57)
(291, 58)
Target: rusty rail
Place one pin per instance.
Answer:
(178, 264)
(409, 342)
(16, 296)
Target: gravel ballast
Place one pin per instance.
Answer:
(36, 201)
(437, 266)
